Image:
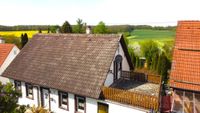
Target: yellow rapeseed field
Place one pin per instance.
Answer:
(18, 33)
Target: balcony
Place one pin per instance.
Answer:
(135, 89)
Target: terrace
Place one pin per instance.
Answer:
(135, 89)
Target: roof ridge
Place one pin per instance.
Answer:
(79, 35)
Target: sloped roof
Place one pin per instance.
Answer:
(185, 73)
(68, 62)
(4, 52)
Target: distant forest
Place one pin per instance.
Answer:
(110, 28)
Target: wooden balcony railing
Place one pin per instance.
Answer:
(131, 98)
(154, 79)
(142, 77)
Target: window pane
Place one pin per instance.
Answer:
(178, 95)
(188, 96)
(81, 102)
(197, 107)
(188, 107)
(178, 108)
(197, 98)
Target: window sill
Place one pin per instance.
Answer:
(79, 112)
(63, 108)
(30, 98)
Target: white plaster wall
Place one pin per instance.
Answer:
(109, 79)
(13, 53)
(114, 107)
(27, 101)
(55, 102)
(125, 66)
(91, 105)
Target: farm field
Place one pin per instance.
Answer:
(158, 35)
(18, 33)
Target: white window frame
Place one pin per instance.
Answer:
(61, 100)
(29, 91)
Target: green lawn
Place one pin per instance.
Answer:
(160, 36)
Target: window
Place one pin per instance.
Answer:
(117, 67)
(29, 91)
(80, 104)
(18, 85)
(63, 100)
(102, 108)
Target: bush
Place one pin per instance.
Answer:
(12, 40)
(8, 98)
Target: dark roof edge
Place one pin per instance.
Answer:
(125, 49)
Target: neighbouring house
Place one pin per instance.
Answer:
(185, 72)
(81, 73)
(7, 53)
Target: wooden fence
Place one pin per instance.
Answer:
(131, 98)
(154, 79)
(142, 77)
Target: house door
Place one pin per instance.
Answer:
(45, 98)
(102, 108)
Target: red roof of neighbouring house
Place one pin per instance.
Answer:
(4, 52)
(185, 73)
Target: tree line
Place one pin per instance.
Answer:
(109, 28)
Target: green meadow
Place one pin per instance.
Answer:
(160, 36)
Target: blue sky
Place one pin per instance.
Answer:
(48, 12)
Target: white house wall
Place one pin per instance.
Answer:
(114, 107)
(55, 102)
(91, 104)
(13, 53)
(125, 66)
(27, 101)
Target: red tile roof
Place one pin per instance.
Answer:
(185, 72)
(4, 52)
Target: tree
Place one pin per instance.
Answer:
(48, 30)
(149, 49)
(66, 28)
(168, 49)
(79, 26)
(24, 39)
(8, 98)
(100, 28)
(40, 30)
(53, 29)
(164, 65)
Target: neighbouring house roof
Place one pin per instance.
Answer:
(185, 72)
(75, 63)
(4, 52)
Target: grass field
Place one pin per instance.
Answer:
(18, 33)
(160, 36)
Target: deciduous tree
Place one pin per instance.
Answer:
(100, 28)
(79, 28)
